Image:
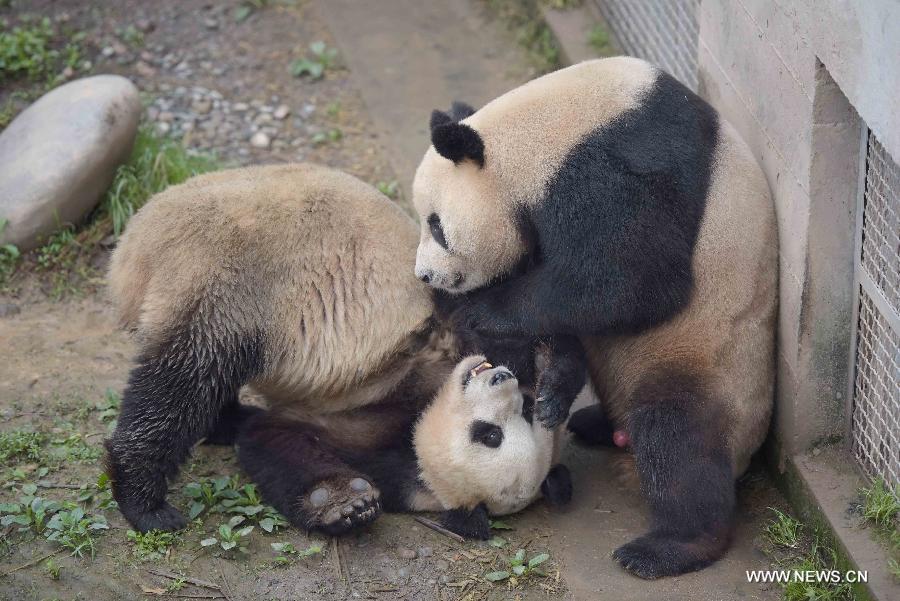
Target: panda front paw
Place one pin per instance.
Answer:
(550, 411)
(468, 523)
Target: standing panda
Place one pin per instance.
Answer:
(648, 231)
(297, 280)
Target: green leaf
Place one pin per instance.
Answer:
(242, 12)
(317, 47)
(228, 544)
(234, 521)
(520, 555)
(196, 509)
(280, 547)
(10, 507)
(29, 489)
(496, 576)
(245, 531)
(500, 525)
(498, 542)
(208, 542)
(518, 570)
(267, 524)
(225, 531)
(538, 560)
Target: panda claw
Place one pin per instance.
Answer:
(336, 507)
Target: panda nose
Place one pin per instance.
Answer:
(426, 277)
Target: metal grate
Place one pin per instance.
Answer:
(881, 222)
(876, 391)
(663, 32)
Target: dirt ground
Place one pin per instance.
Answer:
(59, 359)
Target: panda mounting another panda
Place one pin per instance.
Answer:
(608, 202)
(298, 281)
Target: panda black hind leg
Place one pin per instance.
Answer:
(174, 398)
(678, 438)
(303, 478)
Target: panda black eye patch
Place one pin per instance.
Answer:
(486, 433)
(437, 230)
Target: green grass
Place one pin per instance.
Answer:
(784, 531)
(156, 163)
(794, 548)
(36, 50)
(880, 508)
(151, 545)
(600, 41)
(321, 58)
(523, 19)
(21, 444)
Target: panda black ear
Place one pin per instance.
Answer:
(457, 142)
(460, 110)
(439, 118)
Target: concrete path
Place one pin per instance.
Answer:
(409, 57)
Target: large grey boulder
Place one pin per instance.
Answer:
(59, 156)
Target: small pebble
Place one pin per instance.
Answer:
(108, 51)
(260, 140)
(426, 551)
(405, 553)
(282, 112)
(442, 564)
(210, 23)
(403, 572)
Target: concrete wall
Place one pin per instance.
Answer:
(801, 80)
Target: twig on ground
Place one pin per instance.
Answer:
(63, 486)
(31, 563)
(338, 564)
(225, 589)
(438, 528)
(188, 579)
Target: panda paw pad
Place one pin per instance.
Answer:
(337, 506)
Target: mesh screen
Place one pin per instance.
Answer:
(663, 32)
(876, 396)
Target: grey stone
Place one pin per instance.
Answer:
(9, 309)
(60, 155)
(426, 551)
(405, 553)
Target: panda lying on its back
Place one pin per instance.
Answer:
(649, 234)
(296, 280)
(473, 451)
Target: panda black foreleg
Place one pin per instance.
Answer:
(684, 466)
(227, 425)
(561, 381)
(303, 478)
(173, 398)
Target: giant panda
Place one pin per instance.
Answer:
(297, 280)
(646, 228)
(470, 452)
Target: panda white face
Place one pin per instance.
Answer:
(474, 445)
(463, 221)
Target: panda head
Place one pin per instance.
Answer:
(474, 445)
(463, 213)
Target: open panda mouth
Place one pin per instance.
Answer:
(481, 367)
